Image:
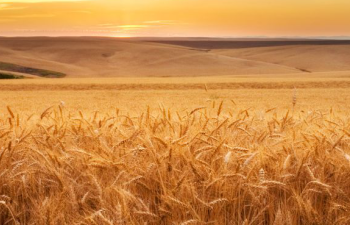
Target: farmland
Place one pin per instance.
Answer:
(223, 150)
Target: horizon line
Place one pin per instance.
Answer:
(198, 37)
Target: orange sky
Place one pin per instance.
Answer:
(221, 18)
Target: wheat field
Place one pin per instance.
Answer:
(253, 155)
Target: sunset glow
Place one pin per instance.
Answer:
(220, 18)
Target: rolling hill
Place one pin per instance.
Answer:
(113, 57)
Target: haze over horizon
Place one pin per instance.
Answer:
(166, 18)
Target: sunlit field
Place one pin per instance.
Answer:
(134, 95)
(225, 150)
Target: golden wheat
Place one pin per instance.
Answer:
(63, 167)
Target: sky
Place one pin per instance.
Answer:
(175, 18)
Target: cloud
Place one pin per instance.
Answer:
(3, 6)
(133, 26)
(38, 1)
(161, 22)
(125, 27)
(143, 25)
(8, 7)
(31, 16)
(78, 11)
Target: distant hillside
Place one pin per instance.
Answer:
(112, 57)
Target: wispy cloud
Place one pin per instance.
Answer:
(132, 27)
(9, 7)
(125, 27)
(141, 25)
(31, 16)
(78, 11)
(161, 22)
(38, 1)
